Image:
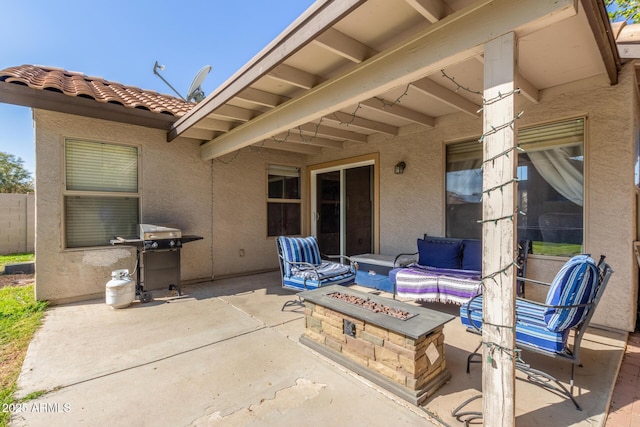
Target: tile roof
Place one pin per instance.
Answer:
(76, 84)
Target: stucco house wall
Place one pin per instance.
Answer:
(175, 188)
(240, 210)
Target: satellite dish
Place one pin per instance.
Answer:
(195, 91)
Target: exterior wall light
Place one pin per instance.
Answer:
(399, 168)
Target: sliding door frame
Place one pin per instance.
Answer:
(372, 159)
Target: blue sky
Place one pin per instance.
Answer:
(120, 40)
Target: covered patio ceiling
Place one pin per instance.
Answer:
(348, 71)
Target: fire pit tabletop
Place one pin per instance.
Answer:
(422, 323)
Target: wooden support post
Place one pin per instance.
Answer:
(499, 231)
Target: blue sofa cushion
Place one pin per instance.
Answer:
(472, 255)
(299, 249)
(439, 254)
(575, 283)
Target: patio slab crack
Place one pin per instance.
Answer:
(283, 401)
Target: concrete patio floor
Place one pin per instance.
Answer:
(225, 354)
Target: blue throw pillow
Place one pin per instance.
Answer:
(575, 284)
(472, 255)
(440, 254)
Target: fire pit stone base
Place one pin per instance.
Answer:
(408, 363)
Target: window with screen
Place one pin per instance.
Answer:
(550, 187)
(101, 196)
(283, 201)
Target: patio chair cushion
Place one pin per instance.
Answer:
(575, 283)
(299, 249)
(329, 273)
(440, 254)
(531, 329)
(324, 270)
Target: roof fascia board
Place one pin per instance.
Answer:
(601, 28)
(317, 19)
(457, 37)
(17, 94)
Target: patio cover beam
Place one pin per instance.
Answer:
(457, 37)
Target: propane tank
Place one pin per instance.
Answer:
(121, 289)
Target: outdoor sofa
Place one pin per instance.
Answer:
(448, 270)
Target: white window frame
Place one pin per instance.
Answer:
(273, 169)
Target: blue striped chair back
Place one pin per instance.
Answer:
(576, 283)
(299, 249)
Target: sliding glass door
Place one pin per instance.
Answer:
(342, 207)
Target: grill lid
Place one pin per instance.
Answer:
(158, 232)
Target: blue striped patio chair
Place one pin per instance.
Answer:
(545, 328)
(303, 267)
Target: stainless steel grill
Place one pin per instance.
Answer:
(158, 258)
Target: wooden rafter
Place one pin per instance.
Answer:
(290, 146)
(352, 120)
(433, 10)
(441, 93)
(315, 141)
(260, 97)
(234, 113)
(293, 76)
(345, 46)
(399, 111)
(328, 131)
(215, 125)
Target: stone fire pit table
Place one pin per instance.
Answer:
(405, 357)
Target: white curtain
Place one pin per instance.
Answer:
(557, 168)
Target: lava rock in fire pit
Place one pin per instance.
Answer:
(372, 305)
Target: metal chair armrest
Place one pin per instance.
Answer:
(353, 264)
(395, 261)
(537, 282)
(473, 325)
(543, 305)
(299, 264)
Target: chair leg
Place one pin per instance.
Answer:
(548, 382)
(474, 355)
(299, 302)
(467, 417)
